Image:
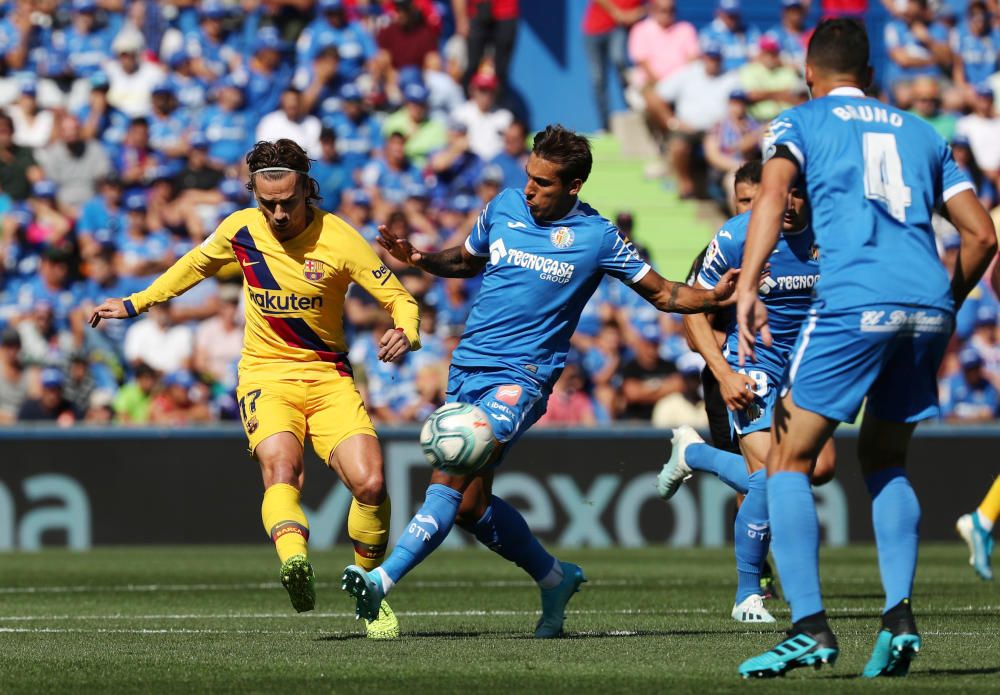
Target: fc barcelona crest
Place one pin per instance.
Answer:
(313, 270)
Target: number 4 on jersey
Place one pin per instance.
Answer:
(884, 174)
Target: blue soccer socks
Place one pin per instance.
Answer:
(751, 536)
(728, 467)
(795, 540)
(895, 518)
(503, 530)
(429, 526)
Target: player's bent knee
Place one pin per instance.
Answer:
(370, 489)
(280, 458)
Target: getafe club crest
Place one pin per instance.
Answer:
(561, 238)
(814, 253)
(313, 270)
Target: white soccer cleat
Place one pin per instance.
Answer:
(965, 529)
(676, 470)
(752, 610)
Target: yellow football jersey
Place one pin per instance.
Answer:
(293, 291)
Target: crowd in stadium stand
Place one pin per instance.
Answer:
(124, 126)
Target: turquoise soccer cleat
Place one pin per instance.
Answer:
(366, 590)
(798, 650)
(980, 544)
(897, 643)
(892, 654)
(554, 602)
(300, 582)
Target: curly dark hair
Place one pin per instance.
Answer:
(569, 150)
(282, 153)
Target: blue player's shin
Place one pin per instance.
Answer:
(895, 518)
(795, 540)
(751, 535)
(503, 530)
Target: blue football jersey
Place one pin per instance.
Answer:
(874, 175)
(537, 280)
(787, 293)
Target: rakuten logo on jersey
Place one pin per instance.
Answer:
(548, 268)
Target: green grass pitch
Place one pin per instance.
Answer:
(650, 620)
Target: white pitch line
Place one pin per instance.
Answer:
(151, 631)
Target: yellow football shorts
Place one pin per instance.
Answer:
(328, 410)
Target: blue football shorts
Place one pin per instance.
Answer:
(889, 353)
(512, 401)
(757, 416)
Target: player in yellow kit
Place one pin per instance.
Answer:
(294, 376)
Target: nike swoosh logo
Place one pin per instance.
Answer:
(517, 225)
(247, 265)
(426, 520)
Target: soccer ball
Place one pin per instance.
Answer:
(457, 439)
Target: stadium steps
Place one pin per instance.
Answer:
(673, 231)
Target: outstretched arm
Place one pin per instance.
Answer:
(455, 262)
(678, 298)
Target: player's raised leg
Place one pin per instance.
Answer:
(895, 518)
(280, 457)
(797, 435)
(689, 453)
(751, 533)
(502, 529)
(976, 529)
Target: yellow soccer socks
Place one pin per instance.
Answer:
(989, 508)
(284, 520)
(368, 529)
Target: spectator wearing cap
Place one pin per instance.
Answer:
(966, 161)
(142, 250)
(485, 24)
(455, 166)
(331, 27)
(455, 216)
(133, 401)
(770, 83)
(423, 135)
(660, 46)
(444, 92)
(267, 73)
(103, 281)
(191, 89)
(50, 405)
(18, 169)
(157, 340)
(738, 41)
(968, 396)
(137, 160)
(356, 208)
(228, 128)
(214, 50)
(489, 183)
(320, 81)
(605, 37)
(730, 143)
(982, 129)
(13, 376)
(330, 172)
(183, 401)
(926, 100)
(100, 120)
(916, 46)
(482, 117)
(99, 411)
(647, 377)
(791, 33)
(15, 34)
(386, 178)
(32, 124)
(691, 103)
(83, 46)
(292, 122)
(200, 174)
(218, 341)
(169, 126)
(79, 384)
(48, 225)
(514, 156)
(75, 165)
(358, 132)
(408, 38)
(131, 78)
(984, 340)
(686, 407)
(975, 47)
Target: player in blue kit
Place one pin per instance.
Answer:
(878, 328)
(544, 253)
(749, 392)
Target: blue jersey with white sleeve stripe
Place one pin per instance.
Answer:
(537, 280)
(874, 175)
